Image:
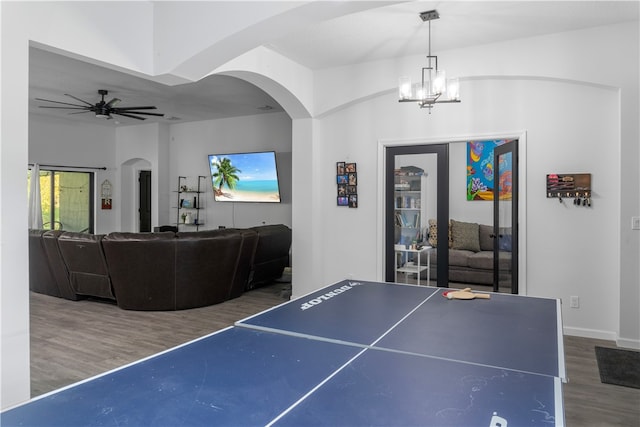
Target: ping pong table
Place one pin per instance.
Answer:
(353, 353)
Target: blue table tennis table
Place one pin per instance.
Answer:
(354, 353)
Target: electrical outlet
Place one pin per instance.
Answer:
(635, 222)
(574, 302)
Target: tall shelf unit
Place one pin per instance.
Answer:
(410, 210)
(189, 205)
(410, 204)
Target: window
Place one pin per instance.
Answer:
(67, 200)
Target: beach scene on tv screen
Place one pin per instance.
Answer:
(244, 177)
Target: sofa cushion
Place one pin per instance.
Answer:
(142, 267)
(465, 235)
(271, 254)
(457, 257)
(85, 260)
(484, 261)
(58, 267)
(481, 260)
(486, 241)
(205, 268)
(41, 278)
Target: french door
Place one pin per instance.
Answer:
(505, 217)
(431, 160)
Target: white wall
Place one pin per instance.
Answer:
(138, 148)
(570, 134)
(191, 143)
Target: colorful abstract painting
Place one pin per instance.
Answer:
(480, 170)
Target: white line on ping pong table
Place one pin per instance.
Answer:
(310, 392)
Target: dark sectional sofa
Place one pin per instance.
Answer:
(157, 271)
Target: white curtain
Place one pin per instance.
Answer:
(35, 206)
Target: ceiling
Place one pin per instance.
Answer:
(384, 32)
(214, 97)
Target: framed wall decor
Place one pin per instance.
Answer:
(480, 169)
(347, 182)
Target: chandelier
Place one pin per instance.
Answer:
(434, 88)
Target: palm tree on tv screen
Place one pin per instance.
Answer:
(226, 174)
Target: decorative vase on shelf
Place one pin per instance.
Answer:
(188, 219)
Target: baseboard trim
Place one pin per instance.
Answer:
(590, 333)
(627, 343)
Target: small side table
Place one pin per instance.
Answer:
(414, 267)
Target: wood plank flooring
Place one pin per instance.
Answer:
(74, 340)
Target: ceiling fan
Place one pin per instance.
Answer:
(102, 109)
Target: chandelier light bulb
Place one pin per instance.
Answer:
(453, 89)
(421, 93)
(404, 87)
(439, 83)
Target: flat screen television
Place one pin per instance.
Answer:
(245, 177)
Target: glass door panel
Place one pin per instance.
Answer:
(66, 199)
(412, 203)
(505, 219)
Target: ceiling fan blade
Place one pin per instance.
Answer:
(103, 109)
(128, 115)
(119, 111)
(58, 102)
(65, 108)
(137, 108)
(113, 102)
(78, 99)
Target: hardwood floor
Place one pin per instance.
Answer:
(74, 340)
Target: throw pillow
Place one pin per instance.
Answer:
(433, 233)
(504, 243)
(466, 235)
(486, 241)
